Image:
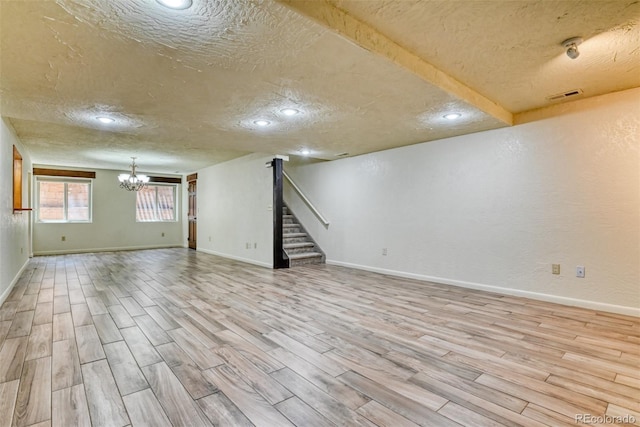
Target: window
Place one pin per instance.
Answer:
(64, 200)
(156, 203)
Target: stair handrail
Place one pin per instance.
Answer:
(306, 200)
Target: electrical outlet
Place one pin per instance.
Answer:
(209, 238)
(247, 245)
(384, 251)
(580, 271)
(162, 234)
(63, 238)
(555, 268)
(255, 245)
(21, 251)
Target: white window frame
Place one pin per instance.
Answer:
(155, 204)
(66, 181)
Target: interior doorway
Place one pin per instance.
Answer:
(192, 213)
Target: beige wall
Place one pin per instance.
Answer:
(235, 219)
(493, 210)
(113, 227)
(14, 227)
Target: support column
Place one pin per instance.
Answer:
(280, 259)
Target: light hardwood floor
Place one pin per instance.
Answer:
(182, 338)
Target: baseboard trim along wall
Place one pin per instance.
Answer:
(594, 305)
(6, 293)
(236, 258)
(114, 249)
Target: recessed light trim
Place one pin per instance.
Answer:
(262, 122)
(289, 111)
(305, 152)
(452, 116)
(176, 4)
(105, 120)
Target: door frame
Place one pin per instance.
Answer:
(192, 211)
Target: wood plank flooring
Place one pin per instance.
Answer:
(177, 337)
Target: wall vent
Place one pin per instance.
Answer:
(560, 96)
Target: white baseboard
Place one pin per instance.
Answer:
(594, 305)
(6, 293)
(236, 258)
(114, 249)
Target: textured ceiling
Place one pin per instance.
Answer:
(185, 87)
(510, 51)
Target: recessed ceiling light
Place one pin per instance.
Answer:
(176, 4)
(289, 111)
(105, 120)
(452, 116)
(305, 152)
(262, 122)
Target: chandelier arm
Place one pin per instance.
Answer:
(132, 182)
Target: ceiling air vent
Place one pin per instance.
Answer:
(560, 96)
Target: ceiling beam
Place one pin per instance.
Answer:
(372, 40)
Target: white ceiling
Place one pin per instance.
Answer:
(185, 87)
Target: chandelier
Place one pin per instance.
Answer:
(133, 182)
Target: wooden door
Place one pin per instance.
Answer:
(193, 212)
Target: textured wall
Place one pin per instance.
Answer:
(495, 209)
(234, 209)
(113, 227)
(14, 228)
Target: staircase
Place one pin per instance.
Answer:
(298, 245)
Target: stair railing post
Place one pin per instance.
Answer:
(280, 259)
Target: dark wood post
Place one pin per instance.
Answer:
(280, 259)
